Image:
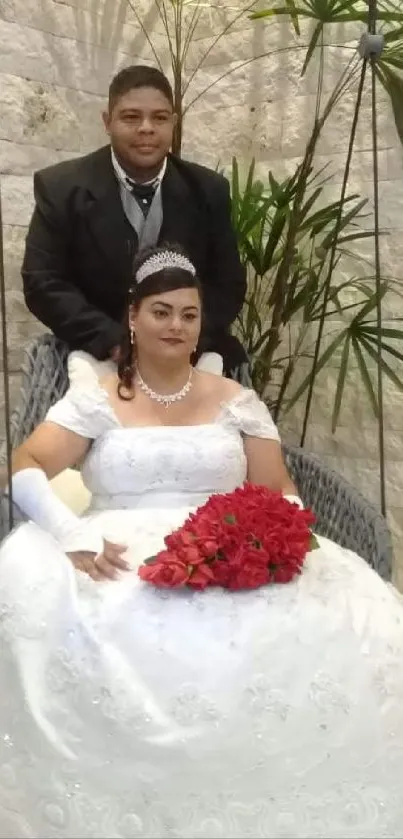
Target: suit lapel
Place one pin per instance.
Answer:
(107, 223)
(105, 216)
(179, 209)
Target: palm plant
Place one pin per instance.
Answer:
(181, 21)
(324, 13)
(277, 330)
(384, 56)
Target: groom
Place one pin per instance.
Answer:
(94, 213)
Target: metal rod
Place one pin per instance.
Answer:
(378, 286)
(372, 46)
(6, 377)
(332, 259)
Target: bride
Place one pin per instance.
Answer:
(127, 711)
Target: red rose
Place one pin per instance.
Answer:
(210, 548)
(167, 572)
(222, 572)
(249, 576)
(190, 555)
(243, 539)
(201, 577)
(187, 537)
(284, 573)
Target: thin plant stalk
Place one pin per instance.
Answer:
(231, 70)
(378, 282)
(333, 251)
(216, 40)
(295, 216)
(6, 375)
(145, 33)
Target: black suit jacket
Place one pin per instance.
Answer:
(77, 266)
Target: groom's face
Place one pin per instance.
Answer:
(140, 126)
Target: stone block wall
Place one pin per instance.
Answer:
(57, 59)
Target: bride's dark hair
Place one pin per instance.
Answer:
(166, 279)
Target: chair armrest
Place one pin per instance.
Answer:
(44, 381)
(342, 513)
(17, 516)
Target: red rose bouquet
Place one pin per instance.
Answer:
(242, 540)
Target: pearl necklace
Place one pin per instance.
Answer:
(165, 399)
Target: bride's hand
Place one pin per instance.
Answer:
(106, 565)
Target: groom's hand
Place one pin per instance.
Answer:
(114, 354)
(105, 565)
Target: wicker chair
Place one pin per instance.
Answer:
(342, 514)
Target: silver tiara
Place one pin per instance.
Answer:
(164, 259)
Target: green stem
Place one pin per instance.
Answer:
(280, 283)
(145, 33)
(215, 41)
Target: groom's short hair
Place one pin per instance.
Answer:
(135, 76)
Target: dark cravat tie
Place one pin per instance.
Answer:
(143, 193)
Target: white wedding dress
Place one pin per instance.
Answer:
(127, 711)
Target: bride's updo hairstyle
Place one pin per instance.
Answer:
(155, 271)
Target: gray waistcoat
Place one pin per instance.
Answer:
(147, 228)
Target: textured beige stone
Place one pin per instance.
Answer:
(24, 159)
(50, 59)
(231, 131)
(17, 199)
(359, 443)
(101, 24)
(297, 118)
(46, 115)
(15, 306)
(278, 74)
(390, 203)
(13, 244)
(14, 395)
(89, 4)
(294, 115)
(14, 392)
(395, 518)
(256, 40)
(252, 83)
(20, 334)
(364, 475)
(214, 15)
(144, 8)
(275, 76)
(390, 166)
(356, 412)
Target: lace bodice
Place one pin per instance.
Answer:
(161, 465)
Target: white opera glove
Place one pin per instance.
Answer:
(35, 498)
(295, 499)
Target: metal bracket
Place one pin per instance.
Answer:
(371, 44)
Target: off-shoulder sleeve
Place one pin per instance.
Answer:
(251, 416)
(86, 411)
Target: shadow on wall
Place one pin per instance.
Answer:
(255, 109)
(99, 41)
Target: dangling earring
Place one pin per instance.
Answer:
(132, 335)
